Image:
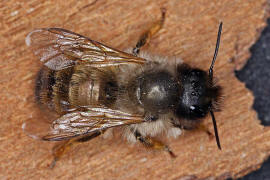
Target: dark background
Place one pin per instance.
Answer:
(256, 76)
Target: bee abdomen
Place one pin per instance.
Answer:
(75, 86)
(52, 88)
(91, 86)
(44, 86)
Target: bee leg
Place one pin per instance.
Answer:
(146, 36)
(203, 128)
(60, 149)
(152, 143)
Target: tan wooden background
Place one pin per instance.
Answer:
(189, 32)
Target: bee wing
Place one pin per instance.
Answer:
(86, 121)
(59, 48)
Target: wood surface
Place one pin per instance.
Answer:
(190, 33)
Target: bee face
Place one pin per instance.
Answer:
(197, 93)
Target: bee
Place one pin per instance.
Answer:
(94, 88)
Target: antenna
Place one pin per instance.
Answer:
(211, 77)
(216, 51)
(215, 128)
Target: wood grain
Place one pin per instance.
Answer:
(190, 33)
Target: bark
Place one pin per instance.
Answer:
(189, 32)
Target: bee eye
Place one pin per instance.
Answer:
(197, 111)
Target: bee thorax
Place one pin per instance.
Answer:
(157, 91)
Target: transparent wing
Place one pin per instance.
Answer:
(81, 122)
(59, 48)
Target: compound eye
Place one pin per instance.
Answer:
(197, 111)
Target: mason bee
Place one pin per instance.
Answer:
(94, 88)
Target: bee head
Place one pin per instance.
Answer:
(198, 92)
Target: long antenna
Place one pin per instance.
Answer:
(211, 77)
(216, 51)
(215, 128)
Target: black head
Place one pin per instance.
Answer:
(198, 92)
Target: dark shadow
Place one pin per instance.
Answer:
(256, 76)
